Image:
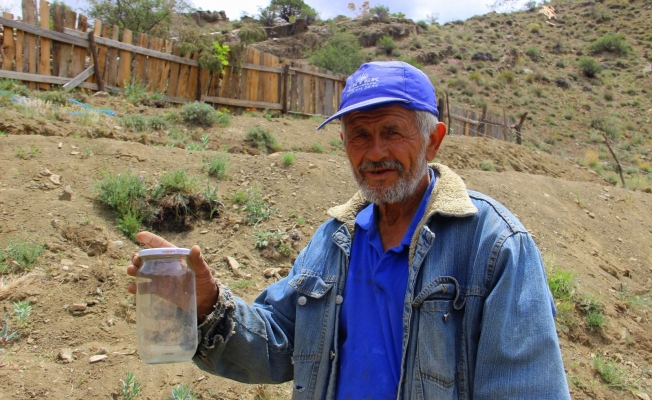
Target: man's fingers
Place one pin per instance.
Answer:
(132, 270)
(152, 240)
(131, 288)
(198, 264)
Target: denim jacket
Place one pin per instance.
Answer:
(477, 321)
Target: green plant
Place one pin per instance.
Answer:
(5, 336)
(380, 11)
(130, 387)
(594, 312)
(423, 25)
(157, 123)
(256, 208)
(534, 27)
(267, 238)
(221, 53)
(54, 97)
(317, 148)
(561, 284)
(336, 143)
(251, 33)
(533, 53)
(218, 166)
(135, 122)
(262, 139)
(23, 310)
(609, 372)
(588, 66)
(611, 43)
(177, 181)
(288, 159)
(487, 165)
(200, 114)
(182, 392)
(341, 54)
(177, 137)
(386, 44)
(125, 193)
(19, 254)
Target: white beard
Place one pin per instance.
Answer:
(404, 187)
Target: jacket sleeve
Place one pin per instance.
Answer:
(518, 351)
(251, 344)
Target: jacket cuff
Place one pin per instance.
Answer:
(216, 330)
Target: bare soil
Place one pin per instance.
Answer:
(581, 223)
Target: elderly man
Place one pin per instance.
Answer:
(415, 288)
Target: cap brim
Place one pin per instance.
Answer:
(362, 105)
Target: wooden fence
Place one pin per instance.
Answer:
(467, 122)
(39, 56)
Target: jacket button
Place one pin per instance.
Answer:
(339, 299)
(302, 300)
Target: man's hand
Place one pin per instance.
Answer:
(204, 282)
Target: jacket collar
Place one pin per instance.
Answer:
(449, 198)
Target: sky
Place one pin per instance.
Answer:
(445, 10)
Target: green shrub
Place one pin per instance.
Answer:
(506, 77)
(256, 208)
(534, 27)
(13, 87)
(611, 43)
(262, 139)
(199, 114)
(561, 284)
(594, 313)
(182, 392)
(54, 97)
(19, 255)
(130, 387)
(608, 95)
(341, 54)
(136, 93)
(487, 165)
(135, 122)
(126, 194)
(317, 148)
(218, 166)
(412, 61)
(386, 44)
(610, 373)
(157, 123)
(288, 159)
(533, 53)
(423, 25)
(588, 66)
(380, 11)
(177, 181)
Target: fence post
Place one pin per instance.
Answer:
(518, 127)
(482, 128)
(284, 94)
(448, 114)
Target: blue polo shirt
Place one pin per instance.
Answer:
(371, 319)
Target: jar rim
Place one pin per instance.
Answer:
(164, 251)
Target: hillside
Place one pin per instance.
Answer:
(594, 235)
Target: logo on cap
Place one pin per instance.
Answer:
(362, 82)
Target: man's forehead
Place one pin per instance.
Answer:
(396, 110)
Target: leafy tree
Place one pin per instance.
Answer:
(144, 16)
(341, 54)
(364, 9)
(380, 11)
(266, 16)
(288, 10)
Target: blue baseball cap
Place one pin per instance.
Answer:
(383, 84)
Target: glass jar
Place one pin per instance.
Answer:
(166, 306)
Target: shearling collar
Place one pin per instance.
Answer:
(448, 198)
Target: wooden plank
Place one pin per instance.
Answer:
(130, 47)
(58, 21)
(8, 45)
(97, 31)
(124, 69)
(191, 92)
(263, 91)
(319, 95)
(307, 91)
(26, 76)
(285, 87)
(79, 53)
(241, 103)
(112, 79)
(44, 67)
(316, 73)
(54, 35)
(141, 61)
(20, 55)
(152, 63)
(166, 66)
(204, 81)
(173, 83)
(31, 49)
(76, 81)
(253, 57)
(294, 84)
(226, 81)
(329, 85)
(103, 53)
(182, 80)
(264, 68)
(66, 49)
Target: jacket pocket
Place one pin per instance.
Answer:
(312, 313)
(439, 329)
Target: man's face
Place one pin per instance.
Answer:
(387, 152)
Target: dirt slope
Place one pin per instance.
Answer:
(582, 224)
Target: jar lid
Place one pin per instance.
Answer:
(164, 251)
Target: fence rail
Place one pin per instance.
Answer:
(468, 122)
(40, 56)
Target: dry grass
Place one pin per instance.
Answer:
(9, 283)
(591, 158)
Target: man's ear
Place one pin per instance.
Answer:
(436, 137)
(341, 136)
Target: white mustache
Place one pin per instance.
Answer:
(387, 164)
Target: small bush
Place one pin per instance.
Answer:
(130, 387)
(594, 313)
(610, 374)
(157, 123)
(341, 54)
(534, 27)
(19, 255)
(608, 95)
(588, 66)
(177, 181)
(199, 114)
(288, 159)
(487, 165)
(533, 53)
(262, 139)
(506, 77)
(54, 97)
(125, 193)
(182, 392)
(611, 43)
(423, 25)
(135, 122)
(561, 284)
(256, 208)
(386, 44)
(218, 166)
(317, 148)
(380, 11)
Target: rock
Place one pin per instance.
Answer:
(56, 179)
(203, 232)
(45, 172)
(482, 57)
(60, 145)
(271, 272)
(67, 262)
(562, 83)
(67, 194)
(88, 237)
(312, 166)
(54, 223)
(116, 244)
(642, 396)
(74, 153)
(65, 355)
(77, 307)
(101, 94)
(235, 266)
(110, 322)
(97, 358)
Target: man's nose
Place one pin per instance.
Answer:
(378, 149)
